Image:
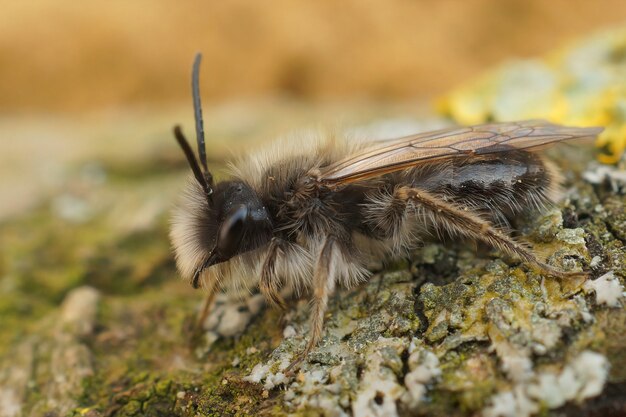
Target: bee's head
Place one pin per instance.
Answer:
(208, 231)
(240, 222)
(218, 221)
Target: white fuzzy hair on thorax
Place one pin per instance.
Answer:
(296, 262)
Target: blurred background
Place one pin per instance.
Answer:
(108, 80)
(66, 57)
(89, 170)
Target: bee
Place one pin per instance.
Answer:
(311, 214)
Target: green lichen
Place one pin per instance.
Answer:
(472, 311)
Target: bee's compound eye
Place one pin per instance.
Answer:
(231, 231)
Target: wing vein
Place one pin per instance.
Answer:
(408, 151)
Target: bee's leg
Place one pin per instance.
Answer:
(460, 222)
(323, 286)
(206, 308)
(270, 281)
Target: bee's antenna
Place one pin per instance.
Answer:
(197, 107)
(203, 176)
(193, 162)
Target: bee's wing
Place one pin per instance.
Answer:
(397, 154)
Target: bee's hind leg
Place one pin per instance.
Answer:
(461, 222)
(323, 285)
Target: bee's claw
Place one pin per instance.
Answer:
(295, 365)
(557, 273)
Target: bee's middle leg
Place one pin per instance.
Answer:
(323, 285)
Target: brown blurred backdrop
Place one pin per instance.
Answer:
(105, 81)
(65, 55)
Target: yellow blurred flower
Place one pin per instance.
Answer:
(582, 85)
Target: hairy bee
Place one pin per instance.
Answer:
(311, 215)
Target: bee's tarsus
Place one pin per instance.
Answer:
(294, 365)
(557, 273)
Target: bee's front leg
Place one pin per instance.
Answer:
(208, 305)
(270, 281)
(323, 285)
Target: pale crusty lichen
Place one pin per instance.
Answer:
(582, 378)
(448, 331)
(607, 289)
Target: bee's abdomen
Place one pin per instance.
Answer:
(497, 186)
